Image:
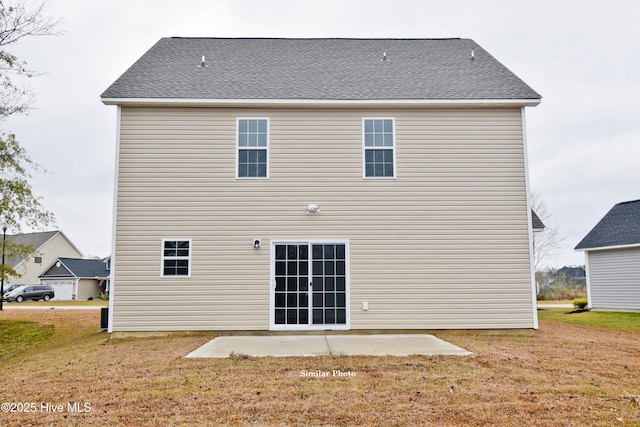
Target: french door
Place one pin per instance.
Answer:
(310, 285)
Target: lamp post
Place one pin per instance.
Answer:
(4, 240)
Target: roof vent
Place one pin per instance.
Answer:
(384, 57)
(203, 64)
(472, 58)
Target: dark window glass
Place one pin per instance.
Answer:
(304, 316)
(328, 268)
(303, 284)
(292, 252)
(340, 284)
(304, 251)
(329, 284)
(176, 267)
(281, 268)
(280, 299)
(252, 163)
(292, 284)
(340, 268)
(280, 317)
(292, 300)
(292, 268)
(329, 300)
(341, 316)
(281, 252)
(317, 284)
(329, 316)
(317, 299)
(304, 268)
(329, 251)
(292, 316)
(317, 316)
(317, 251)
(303, 300)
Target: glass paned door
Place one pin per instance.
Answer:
(329, 284)
(291, 284)
(310, 289)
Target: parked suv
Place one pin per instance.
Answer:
(10, 288)
(30, 292)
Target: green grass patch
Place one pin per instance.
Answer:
(18, 336)
(53, 303)
(599, 319)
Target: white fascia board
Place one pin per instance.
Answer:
(606, 248)
(321, 102)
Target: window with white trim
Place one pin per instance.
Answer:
(379, 147)
(253, 148)
(176, 257)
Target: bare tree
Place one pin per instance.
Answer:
(544, 242)
(18, 19)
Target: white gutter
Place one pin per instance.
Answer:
(606, 248)
(112, 270)
(532, 273)
(320, 102)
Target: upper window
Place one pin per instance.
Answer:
(379, 148)
(176, 258)
(253, 148)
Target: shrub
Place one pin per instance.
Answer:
(104, 296)
(580, 303)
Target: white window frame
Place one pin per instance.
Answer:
(238, 148)
(365, 148)
(163, 258)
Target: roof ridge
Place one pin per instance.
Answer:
(317, 38)
(629, 201)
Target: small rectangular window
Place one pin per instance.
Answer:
(37, 260)
(379, 148)
(253, 148)
(176, 258)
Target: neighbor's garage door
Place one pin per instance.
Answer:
(63, 290)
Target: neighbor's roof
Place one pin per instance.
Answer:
(619, 227)
(536, 222)
(317, 69)
(34, 239)
(79, 268)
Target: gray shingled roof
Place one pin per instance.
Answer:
(619, 227)
(80, 268)
(318, 69)
(34, 239)
(536, 222)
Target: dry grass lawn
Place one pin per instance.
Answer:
(560, 375)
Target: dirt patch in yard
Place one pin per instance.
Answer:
(560, 375)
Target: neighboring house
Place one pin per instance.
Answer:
(536, 223)
(48, 246)
(612, 257)
(299, 184)
(77, 279)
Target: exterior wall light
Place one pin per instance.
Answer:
(312, 208)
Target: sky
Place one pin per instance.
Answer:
(583, 57)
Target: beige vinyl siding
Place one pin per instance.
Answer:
(614, 279)
(442, 245)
